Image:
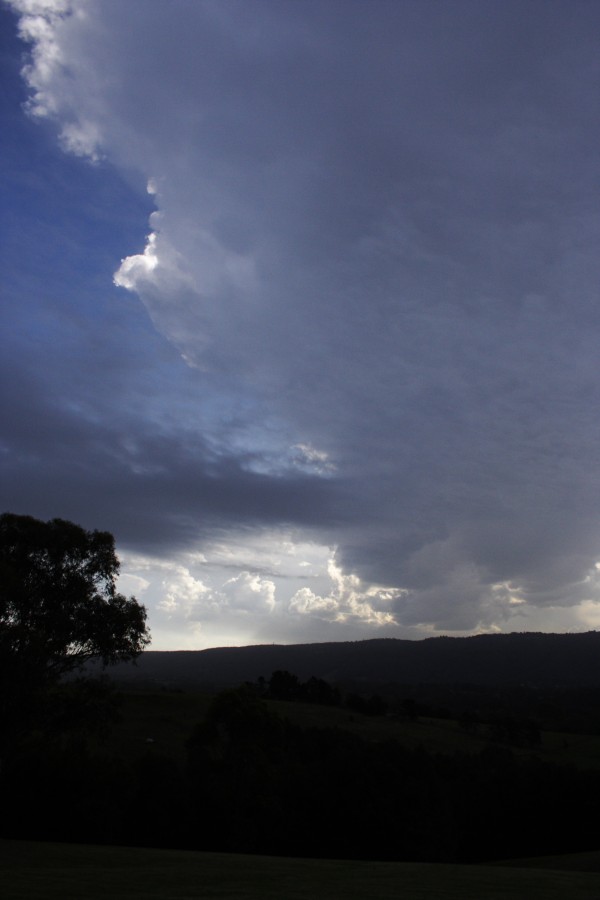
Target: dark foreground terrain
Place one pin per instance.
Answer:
(289, 765)
(357, 777)
(33, 871)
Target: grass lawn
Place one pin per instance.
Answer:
(32, 871)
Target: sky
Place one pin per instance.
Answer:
(300, 302)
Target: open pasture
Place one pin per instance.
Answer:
(39, 871)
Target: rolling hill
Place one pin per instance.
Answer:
(533, 659)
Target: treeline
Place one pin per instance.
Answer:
(253, 782)
(498, 722)
(510, 714)
(284, 685)
(564, 709)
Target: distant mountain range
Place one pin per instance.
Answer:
(534, 659)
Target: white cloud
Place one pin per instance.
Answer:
(182, 592)
(132, 584)
(48, 25)
(309, 459)
(306, 601)
(82, 139)
(348, 600)
(138, 268)
(282, 588)
(41, 7)
(250, 592)
(169, 585)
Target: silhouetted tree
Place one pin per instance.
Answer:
(59, 609)
(284, 686)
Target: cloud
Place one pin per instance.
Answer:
(249, 592)
(374, 252)
(348, 601)
(281, 588)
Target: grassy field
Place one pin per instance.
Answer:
(168, 718)
(163, 717)
(36, 871)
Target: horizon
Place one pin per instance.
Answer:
(301, 305)
(504, 634)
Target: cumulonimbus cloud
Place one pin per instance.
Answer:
(374, 233)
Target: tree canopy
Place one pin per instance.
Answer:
(59, 607)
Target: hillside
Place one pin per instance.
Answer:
(545, 660)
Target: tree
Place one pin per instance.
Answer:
(59, 607)
(283, 686)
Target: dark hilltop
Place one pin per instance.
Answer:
(532, 659)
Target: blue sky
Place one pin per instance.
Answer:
(301, 303)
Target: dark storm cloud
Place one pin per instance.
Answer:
(375, 239)
(151, 490)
